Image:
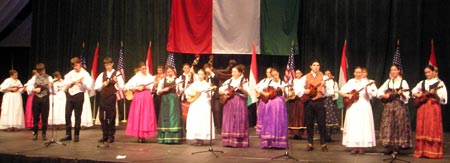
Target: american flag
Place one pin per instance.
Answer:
(120, 94)
(397, 60)
(290, 68)
(171, 62)
(82, 58)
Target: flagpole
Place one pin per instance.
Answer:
(124, 101)
(95, 94)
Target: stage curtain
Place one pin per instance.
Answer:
(371, 29)
(279, 26)
(60, 27)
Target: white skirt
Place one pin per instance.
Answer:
(57, 112)
(359, 130)
(12, 111)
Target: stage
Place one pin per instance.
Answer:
(18, 147)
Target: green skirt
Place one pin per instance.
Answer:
(170, 128)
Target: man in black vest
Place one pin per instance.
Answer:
(108, 83)
(40, 85)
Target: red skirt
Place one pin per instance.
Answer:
(429, 132)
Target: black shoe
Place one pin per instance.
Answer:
(44, 137)
(102, 139)
(309, 147)
(35, 136)
(324, 148)
(110, 139)
(76, 138)
(66, 138)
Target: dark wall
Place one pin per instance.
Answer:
(370, 27)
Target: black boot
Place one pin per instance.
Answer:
(76, 138)
(66, 138)
(103, 139)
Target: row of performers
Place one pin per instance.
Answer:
(310, 91)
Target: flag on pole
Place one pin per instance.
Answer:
(83, 56)
(290, 67)
(120, 95)
(397, 60)
(343, 68)
(149, 61)
(432, 60)
(343, 77)
(94, 68)
(253, 77)
(171, 62)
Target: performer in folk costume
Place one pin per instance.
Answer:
(274, 122)
(41, 84)
(157, 98)
(58, 109)
(12, 117)
(29, 104)
(295, 107)
(331, 108)
(108, 83)
(141, 119)
(261, 105)
(216, 106)
(395, 130)
(170, 124)
(359, 130)
(235, 114)
(188, 77)
(430, 94)
(77, 82)
(198, 123)
(313, 90)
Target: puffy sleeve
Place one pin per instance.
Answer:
(442, 93)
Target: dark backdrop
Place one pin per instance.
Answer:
(371, 27)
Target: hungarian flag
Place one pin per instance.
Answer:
(94, 69)
(149, 61)
(343, 77)
(253, 77)
(232, 26)
(343, 68)
(432, 60)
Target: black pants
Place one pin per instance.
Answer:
(216, 107)
(156, 104)
(107, 115)
(74, 103)
(315, 111)
(40, 109)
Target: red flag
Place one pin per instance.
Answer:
(95, 63)
(253, 77)
(94, 68)
(149, 59)
(432, 60)
(343, 68)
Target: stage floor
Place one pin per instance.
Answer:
(18, 147)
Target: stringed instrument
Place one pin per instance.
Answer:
(129, 95)
(426, 95)
(231, 92)
(198, 94)
(312, 91)
(272, 94)
(392, 94)
(355, 96)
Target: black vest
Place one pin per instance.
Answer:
(109, 89)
